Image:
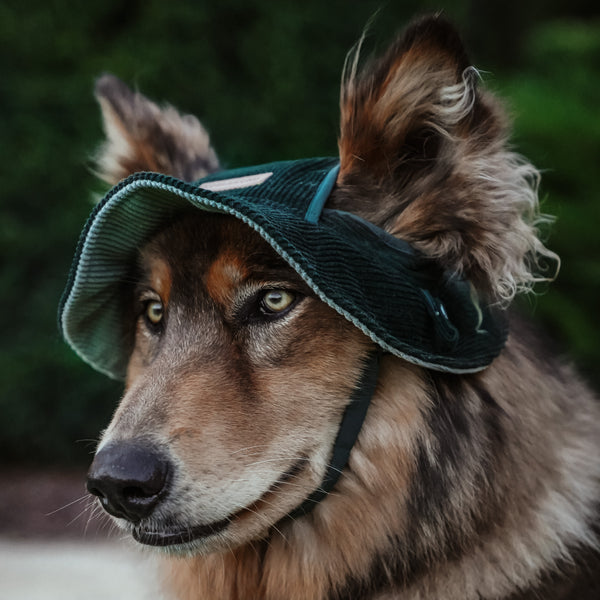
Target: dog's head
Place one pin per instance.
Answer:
(238, 372)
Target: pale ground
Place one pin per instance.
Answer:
(53, 547)
(69, 570)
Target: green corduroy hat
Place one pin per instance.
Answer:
(397, 296)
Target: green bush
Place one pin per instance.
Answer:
(555, 98)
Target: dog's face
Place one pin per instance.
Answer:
(235, 389)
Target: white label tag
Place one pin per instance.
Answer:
(236, 183)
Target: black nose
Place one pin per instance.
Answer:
(129, 478)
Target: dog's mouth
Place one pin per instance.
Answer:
(173, 533)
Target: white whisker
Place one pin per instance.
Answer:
(80, 499)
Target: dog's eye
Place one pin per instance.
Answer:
(276, 302)
(154, 312)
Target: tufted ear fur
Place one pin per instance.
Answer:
(140, 136)
(424, 154)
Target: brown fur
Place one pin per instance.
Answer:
(142, 137)
(482, 486)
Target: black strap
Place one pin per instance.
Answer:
(352, 421)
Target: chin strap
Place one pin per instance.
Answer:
(352, 421)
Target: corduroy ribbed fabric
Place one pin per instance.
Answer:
(401, 299)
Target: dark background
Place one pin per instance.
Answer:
(264, 79)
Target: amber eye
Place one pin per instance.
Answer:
(277, 301)
(154, 312)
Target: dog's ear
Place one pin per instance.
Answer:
(141, 136)
(423, 154)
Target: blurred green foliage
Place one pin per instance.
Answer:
(263, 76)
(556, 99)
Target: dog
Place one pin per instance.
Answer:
(461, 483)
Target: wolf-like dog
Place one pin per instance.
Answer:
(460, 486)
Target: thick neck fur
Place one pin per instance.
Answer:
(458, 488)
